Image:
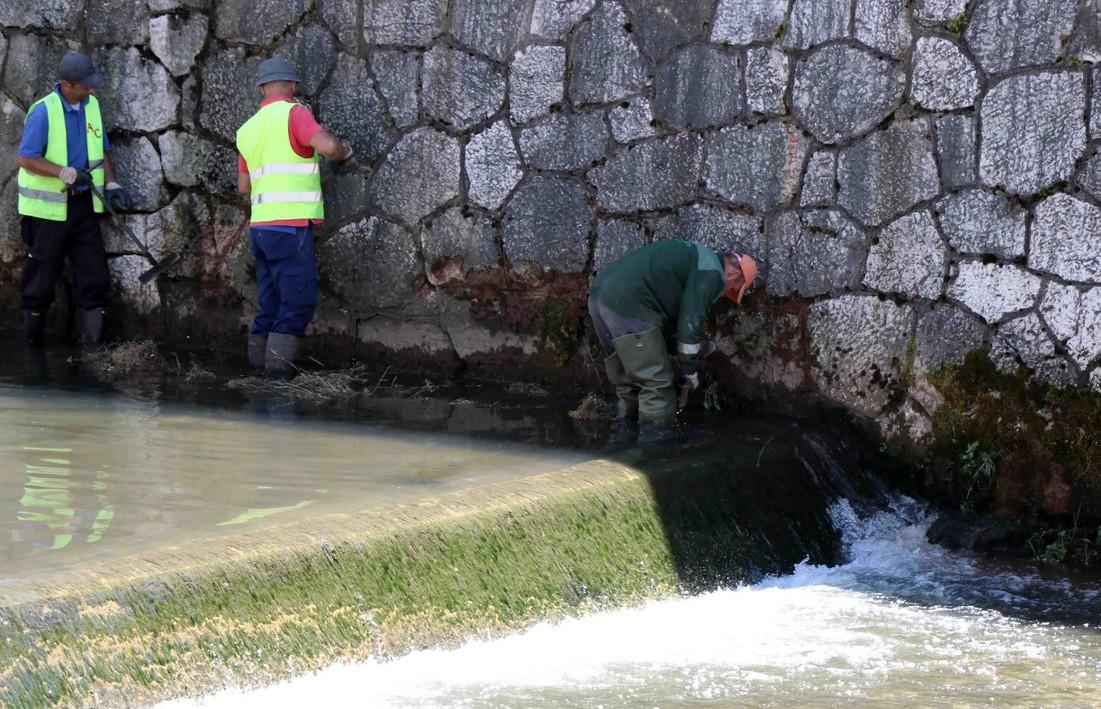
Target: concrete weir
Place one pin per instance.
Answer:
(487, 561)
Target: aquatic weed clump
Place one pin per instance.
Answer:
(124, 360)
(306, 385)
(592, 408)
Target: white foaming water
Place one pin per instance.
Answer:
(902, 621)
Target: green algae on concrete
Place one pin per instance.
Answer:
(488, 561)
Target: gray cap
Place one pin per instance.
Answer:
(275, 69)
(78, 69)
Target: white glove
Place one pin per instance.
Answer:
(692, 381)
(67, 175)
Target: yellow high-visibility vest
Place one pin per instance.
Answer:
(285, 185)
(45, 197)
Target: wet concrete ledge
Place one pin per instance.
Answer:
(488, 561)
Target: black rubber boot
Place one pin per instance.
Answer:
(34, 327)
(91, 328)
(257, 351)
(280, 355)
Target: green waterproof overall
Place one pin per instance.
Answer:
(640, 304)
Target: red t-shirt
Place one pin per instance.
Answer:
(301, 127)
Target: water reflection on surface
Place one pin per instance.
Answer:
(84, 476)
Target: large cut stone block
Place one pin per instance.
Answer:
(257, 22)
(908, 257)
(565, 141)
(138, 94)
(491, 27)
(190, 160)
(945, 335)
(420, 174)
(757, 166)
(11, 134)
(352, 110)
(992, 291)
(1089, 177)
(1007, 34)
(657, 174)
(342, 19)
(537, 79)
(552, 19)
(606, 64)
(137, 167)
(614, 238)
(492, 166)
(456, 243)
(1074, 316)
(842, 91)
(814, 253)
(883, 25)
(50, 14)
(178, 40)
(698, 87)
(746, 21)
(857, 345)
(766, 79)
(547, 225)
(957, 152)
(370, 264)
(1024, 341)
(632, 120)
(939, 12)
(115, 22)
(1095, 109)
(1065, 237)
(1086, 43)
(460, 89)
(661, 25)
(944, 79)
(888, 172)
(1034, 130)
(397, 72)
(978, 222)
(820, 180)
(313, 52)
(31, 68)
(229, 96)
(403, 22)
(815, 21)
(722, 230)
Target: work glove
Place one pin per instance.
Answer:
(75, 177)
(686, 384)
(118, 198)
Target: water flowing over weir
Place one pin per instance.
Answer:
(361, 542)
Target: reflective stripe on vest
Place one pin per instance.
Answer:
(44, 197)
(285, 185)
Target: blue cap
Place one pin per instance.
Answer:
(275, 69)
(77, 68)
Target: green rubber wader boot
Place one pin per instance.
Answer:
(625, 391)
(646, 361)
(257, 351)
(280, 355)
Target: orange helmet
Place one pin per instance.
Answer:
(748, 268)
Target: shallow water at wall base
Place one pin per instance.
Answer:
(901, 622)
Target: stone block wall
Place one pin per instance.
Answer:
(917, 178)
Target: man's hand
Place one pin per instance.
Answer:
(118, 198)
(345, 165)
(686, 384)
(75, 177)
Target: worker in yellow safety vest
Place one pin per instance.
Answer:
(279, 171)
(63, 152)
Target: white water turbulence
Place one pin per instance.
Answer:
(903, 622)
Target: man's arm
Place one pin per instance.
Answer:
(244, 182)
(701, 291)
(330, 146)
(39, 166)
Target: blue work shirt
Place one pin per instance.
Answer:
(36, 131)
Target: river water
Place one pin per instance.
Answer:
(903, 622)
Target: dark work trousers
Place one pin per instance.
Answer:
(286, 276)
(49, 242)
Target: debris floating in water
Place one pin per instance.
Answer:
(592, 408)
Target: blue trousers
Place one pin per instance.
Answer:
(286, 274)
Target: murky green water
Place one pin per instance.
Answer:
(85, 476)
